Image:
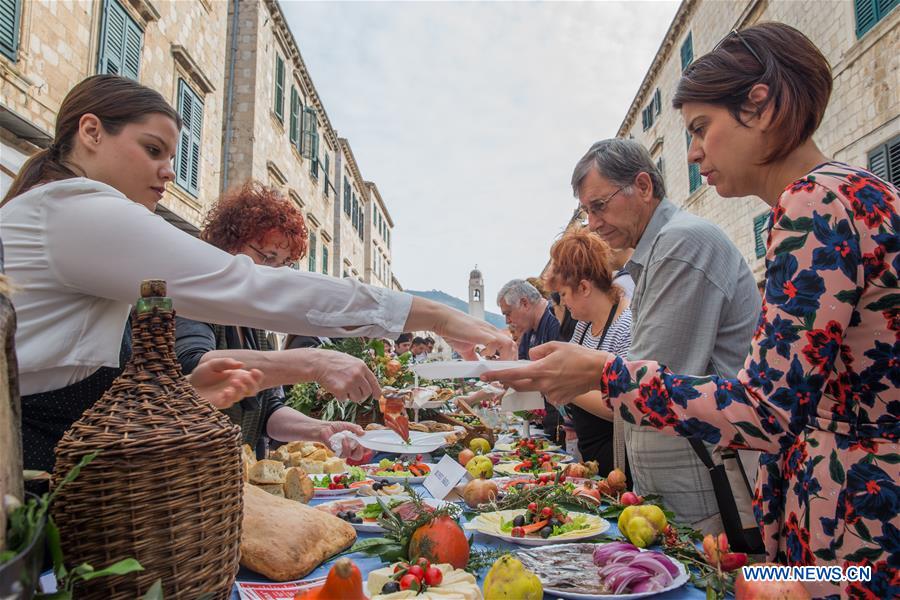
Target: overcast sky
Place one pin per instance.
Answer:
(470, 117)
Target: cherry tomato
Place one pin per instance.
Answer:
(433, 576)
(423, 562)
(417, 572)
(410, 582)
(532, 507)
(546, 512)
(401, 567)
(518, 532)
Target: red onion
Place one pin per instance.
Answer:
(624, 568)
(603, 553)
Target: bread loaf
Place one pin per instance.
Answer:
(335, 465)
(267, 471)
(315, 467)
(297, 485)
(284, 540)
(281, 453)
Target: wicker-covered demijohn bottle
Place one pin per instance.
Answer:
(166, 486)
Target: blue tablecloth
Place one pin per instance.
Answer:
(367, 564)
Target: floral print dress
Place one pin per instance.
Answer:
(818, 393)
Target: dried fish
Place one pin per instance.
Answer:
(568, 567)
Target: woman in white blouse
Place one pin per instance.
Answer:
(79, 234)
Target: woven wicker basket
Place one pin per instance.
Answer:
(166, 486)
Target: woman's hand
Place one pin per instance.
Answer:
(460, 330)
(345, 376)
(224, 381)
(350, 447)
(561, 371)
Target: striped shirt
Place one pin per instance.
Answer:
(618, 338)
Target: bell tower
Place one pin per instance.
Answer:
(476, 294)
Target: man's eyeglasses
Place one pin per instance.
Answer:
(271, 260)
(596, 207)
(746, 44)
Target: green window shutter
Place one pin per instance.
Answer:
(884, 161)
(687, 51)
(694, 178)
(759, 233)
(893, 154)
(657, 103)
(279, 87)
(354, 216)
(294, 131)
(885, 6)
(327, 169)
(10, 15)
(112, 39)
(134, 41)
(878, 162)
(324, 260)
(312, 251)
(190, 142)
(866, 15)
(309, 135)
(346, 197)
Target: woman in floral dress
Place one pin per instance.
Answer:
(819, 390)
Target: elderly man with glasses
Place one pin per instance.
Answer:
(694, 306)
(526, 310)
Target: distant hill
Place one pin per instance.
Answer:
(454, 302)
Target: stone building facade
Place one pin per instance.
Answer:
(861, 126)
(276, 129)
(235, 71)
(351, 230)
(378, 228)
(173, 47)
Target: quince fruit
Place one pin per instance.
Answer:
(479, 446)
(508, 580)
(642, 524)
(480, 467)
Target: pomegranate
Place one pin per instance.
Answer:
(479, 491)
(630, 499)
(768, 590)
(465, 456)
(588, 489)
(440, 541)
(616, 479)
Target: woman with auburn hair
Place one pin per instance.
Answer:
(79, 235)
(581, 273)
(819, 394)
(258, 222)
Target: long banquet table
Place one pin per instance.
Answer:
(481, 541)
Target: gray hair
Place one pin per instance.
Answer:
(513, 292)
(619, 161)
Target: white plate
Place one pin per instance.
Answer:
(679, 581)
(373, 526)
(509, 447)
(393, 478)
(326, 493)
(385, 440)
(483, 524)
(462, 369)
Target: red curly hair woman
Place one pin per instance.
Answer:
(258, 221)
